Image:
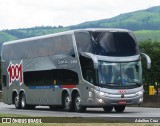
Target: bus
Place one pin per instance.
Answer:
(74, 70)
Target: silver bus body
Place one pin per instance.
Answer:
(63, 69)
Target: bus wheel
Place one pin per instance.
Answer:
(78, 106)
(120, 108)
(67, 103)
(108, 108)
(23, 101)
(17, 102)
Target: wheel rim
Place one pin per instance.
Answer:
(67, 102)
(23, 102)
(78, 103)
(16, 101)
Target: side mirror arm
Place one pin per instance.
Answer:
(148, 60)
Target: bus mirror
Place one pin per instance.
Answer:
(148, 60)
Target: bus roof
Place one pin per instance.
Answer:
(67, 32)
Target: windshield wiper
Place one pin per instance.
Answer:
(137, 83)
(111, 84)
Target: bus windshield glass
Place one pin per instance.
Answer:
(119, 74)
(114, 43)
(107, 43)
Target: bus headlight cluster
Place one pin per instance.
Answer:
(139, 93)
(100, 100)
(100, 93)
(141, 100)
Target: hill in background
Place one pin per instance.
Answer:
(144, 23)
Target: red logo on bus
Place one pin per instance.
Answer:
(15, 73)
(122, 91)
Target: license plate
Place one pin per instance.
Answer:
(121, 102)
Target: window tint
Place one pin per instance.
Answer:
(61, 45)
(114, 44)
(49, 77)
(18, 51)
(83, 42)
(5, 52)
(88, 70)
(38, 48)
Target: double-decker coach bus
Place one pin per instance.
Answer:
(74, 70)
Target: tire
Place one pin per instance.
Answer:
(108, 108)
(120, 108)
(68, 104)
(78, 106)
(23, 101)
(17, 102)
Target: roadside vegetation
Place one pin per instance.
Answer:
(75, 122)
(151, 76)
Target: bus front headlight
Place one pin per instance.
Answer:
(100, 93)
(139, 93)
(103, 94)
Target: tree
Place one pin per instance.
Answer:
(153, 50)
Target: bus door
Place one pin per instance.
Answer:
(89, 75)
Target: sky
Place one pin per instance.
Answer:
(30, 13)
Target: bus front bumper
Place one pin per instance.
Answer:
(103, 99)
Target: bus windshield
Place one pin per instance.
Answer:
(119, 74)
(107, 43)
(114, 44)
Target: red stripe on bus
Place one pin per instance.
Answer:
(68, 86)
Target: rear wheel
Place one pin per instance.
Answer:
(24, 104)
(68, 105)
(78, 105)
(120, 108)
(17, 102)
(108, 108)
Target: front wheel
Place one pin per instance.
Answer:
(78, 105)
(120, 108)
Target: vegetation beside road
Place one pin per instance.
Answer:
(75, 122)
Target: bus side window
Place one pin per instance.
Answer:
(61, 45)
(87, 69)
(89, 75)
(50, 77)
(67, 77)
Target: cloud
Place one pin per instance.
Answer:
(29, 13)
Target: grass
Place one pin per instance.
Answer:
(83, 122)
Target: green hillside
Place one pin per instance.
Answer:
(147, 19)
(35, 31)
(6, 37)
(143, 35)
(145, 24)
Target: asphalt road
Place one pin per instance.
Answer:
(91, 112)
